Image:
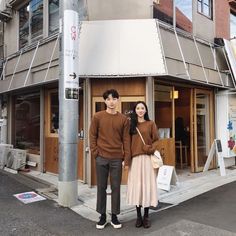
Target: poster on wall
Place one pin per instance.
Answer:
(232, 129)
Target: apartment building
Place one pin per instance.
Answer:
(167, 53)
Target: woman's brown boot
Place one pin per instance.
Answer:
(146, 222)
(139, 222)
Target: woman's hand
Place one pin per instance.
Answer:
(146, 148)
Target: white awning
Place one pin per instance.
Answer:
(120, 48)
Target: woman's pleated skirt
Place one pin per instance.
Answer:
(142, 186)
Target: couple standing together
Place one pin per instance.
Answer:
(114, 141)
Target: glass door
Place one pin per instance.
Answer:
(203, 123)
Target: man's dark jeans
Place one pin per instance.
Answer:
(103, 168)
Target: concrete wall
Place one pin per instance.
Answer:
(203, 27)
(11, 35)
(119, 9)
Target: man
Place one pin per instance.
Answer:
(110, 145)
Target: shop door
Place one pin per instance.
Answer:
(51, 133)
(203, 123)
(125, 107)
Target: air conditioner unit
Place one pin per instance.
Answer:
(16, 159)
(4, 150)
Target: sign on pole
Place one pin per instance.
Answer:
(71, 54)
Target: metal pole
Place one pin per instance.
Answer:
(68, 102)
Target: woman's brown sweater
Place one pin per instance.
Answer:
(149, 132)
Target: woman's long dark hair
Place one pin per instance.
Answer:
(134, 118)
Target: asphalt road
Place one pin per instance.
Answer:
(212, 213)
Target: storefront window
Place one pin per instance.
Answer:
(54, 113)
(30, 22)
(27, 122)
(53, 16)
(164, 110)
(183, 12)
(205, 7)
(232, 25)
(163, 10)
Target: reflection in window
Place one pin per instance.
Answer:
(54, 112)
(24, 25)
(232, 25)
(205, 7)
(36, 8)
(30, 22)
(53, 16)
(183, 11)
(164, 11)
(27, 122)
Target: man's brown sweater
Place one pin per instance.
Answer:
(109, 136)
(149, 133)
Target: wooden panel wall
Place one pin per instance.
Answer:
(125, 86)
(52, 158)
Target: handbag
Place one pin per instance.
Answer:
(156, 159)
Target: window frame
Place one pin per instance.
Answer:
(30, 40)
(48, 23)
(232, 13)
(201, 10)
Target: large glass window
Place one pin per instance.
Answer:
(183, 12)
(36, 8)
(163, 10)
(54, 113)
(30, 22)
(53, 16)
(27, 122)
(24, 25)
(232, 25)
(205, 7)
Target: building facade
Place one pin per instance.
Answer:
(162, 52)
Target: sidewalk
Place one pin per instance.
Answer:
(189, 186)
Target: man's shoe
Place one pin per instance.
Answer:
(115, 222)
(146, 222)
(139, 222)
(102, 222)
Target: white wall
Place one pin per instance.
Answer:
(225, 112)
(119, 9)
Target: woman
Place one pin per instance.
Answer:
(142, 187)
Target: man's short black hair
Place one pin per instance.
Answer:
(111, 92)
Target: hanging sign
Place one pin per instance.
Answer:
(71, 54)
(166, 177)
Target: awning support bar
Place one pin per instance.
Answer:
(200, 58)
(31, 64)
(14, 70)
(54, 48)
(222, 83)
(182, 55)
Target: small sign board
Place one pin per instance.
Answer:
(29, 197)
(166, 177)
(216, 147)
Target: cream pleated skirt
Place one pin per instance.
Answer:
(142, 186)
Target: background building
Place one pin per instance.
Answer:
(163, 52)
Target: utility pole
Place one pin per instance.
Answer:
(68, 102)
